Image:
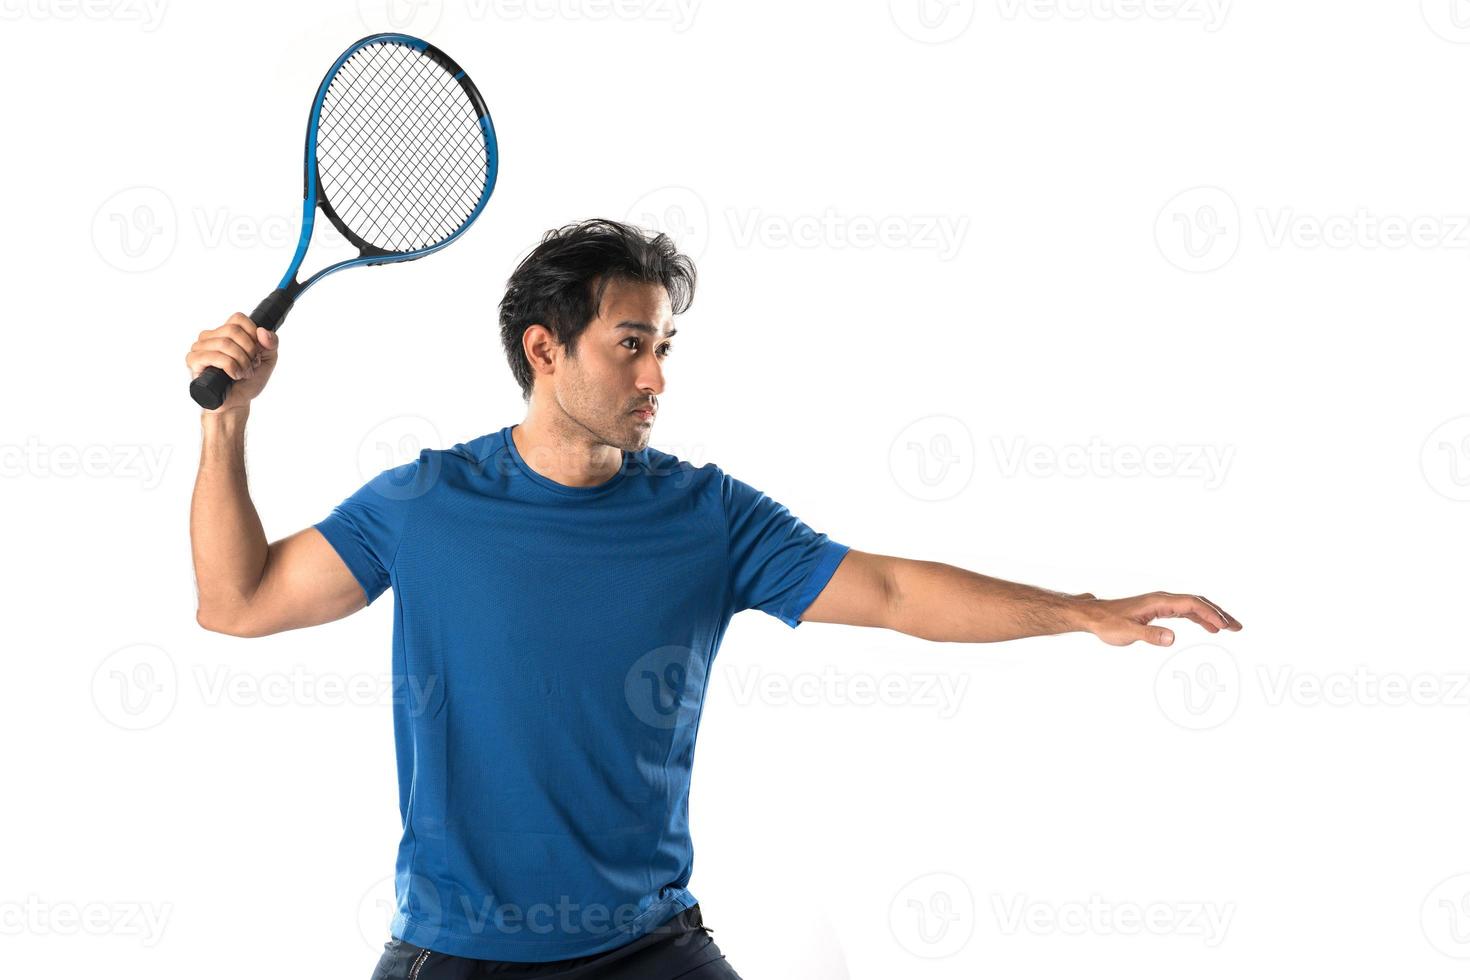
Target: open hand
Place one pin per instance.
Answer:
(1123, 621)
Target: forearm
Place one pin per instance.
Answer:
(935, 601)
(229, 543)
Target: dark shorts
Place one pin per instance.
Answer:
(681, 948)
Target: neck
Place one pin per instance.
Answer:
(559, 448)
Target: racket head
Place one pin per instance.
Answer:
(401, 155)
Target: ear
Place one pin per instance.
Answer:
(539, 345)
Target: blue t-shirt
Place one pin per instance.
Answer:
(551, 646)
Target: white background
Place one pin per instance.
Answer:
(1227, 238)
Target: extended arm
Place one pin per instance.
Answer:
(940, 602)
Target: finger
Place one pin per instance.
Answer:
(1230, 621)
(244, 336)
(1189, 607)
(268, 338)
(1159, 636)
(1214, 612)
(228, 346)
(199, 360)
(1209, 625)
(224, 345)
(241, 320)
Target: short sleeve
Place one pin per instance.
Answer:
(367, 527)
(777, 563)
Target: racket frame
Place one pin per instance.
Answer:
(313, 197)
(211, 387)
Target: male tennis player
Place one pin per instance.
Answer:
(560, 588)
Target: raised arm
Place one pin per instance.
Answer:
(248, 587)
(940, 602)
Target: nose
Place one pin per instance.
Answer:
(651, 377)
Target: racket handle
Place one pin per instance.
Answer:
(212, 386)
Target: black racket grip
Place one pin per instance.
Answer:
(212, 386)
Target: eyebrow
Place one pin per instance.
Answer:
(642, 327)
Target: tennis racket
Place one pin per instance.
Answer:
(400, 157)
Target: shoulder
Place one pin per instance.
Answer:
(407, 481)
(416, 477)
(679, 473)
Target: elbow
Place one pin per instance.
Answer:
(212, 621)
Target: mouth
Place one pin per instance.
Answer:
(643, 414)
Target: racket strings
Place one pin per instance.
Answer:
(406, 159)
(400, 152)
(458, 167)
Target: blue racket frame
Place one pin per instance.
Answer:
(311, 202)
(212, 386)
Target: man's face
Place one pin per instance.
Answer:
(619, 365)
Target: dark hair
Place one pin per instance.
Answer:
(560, 284)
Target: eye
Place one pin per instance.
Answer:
(664, 351)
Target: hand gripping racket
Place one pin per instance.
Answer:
(401, 158)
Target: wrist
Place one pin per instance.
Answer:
(1079, 612)
(229, 422)
(226, 416)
